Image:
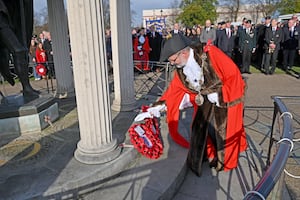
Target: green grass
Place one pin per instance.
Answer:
(277, 70)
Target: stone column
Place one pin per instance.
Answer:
(91, 82)
(122, 55)
(58, 25)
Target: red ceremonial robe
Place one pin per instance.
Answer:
(173, 97)
(232, 90)
(141, 56)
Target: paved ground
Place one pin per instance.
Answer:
(43, 162)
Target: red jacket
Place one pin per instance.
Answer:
(40, 56)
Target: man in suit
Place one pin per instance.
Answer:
(219, 31)
(273, 38)
(49, 54)
(247, 44)
(226, 39)
(155, 40)
(261, 30)
(290, 44)
(176, 29)
(209, 33)
(237, 52)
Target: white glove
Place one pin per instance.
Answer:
(214, 98)
(151, 112)
(155, 111)
(142, 116)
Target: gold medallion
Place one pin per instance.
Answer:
(199, 99)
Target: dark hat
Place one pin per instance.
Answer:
(268, 17)
(173, 44)
(222, 22)
(248, 21)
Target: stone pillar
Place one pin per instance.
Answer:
(122, 55)
(91, 82)
(58, 25)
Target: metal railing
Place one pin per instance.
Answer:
(281, 135)
(151, 78)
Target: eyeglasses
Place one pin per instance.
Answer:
(174, 60)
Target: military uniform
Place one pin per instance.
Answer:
(247, 44)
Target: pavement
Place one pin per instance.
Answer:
(42, 166)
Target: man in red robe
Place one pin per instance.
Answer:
(141, 49)
(208, 80)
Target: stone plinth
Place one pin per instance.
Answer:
(20, 116)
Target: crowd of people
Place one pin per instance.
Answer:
(267, 45)
(41, 54)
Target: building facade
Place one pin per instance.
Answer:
(249, 11)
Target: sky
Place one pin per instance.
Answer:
(139, 5)
(136, 5)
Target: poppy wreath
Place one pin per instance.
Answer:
(41, 70)
(145, 138)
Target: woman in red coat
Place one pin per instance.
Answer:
(141, 51)
(41, 59)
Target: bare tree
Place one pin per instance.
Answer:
(40, 20)
(174, 5)
(41, 16)
(233, 6)
(267, 7)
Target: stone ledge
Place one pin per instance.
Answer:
(28, 118)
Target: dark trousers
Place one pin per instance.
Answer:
(260, 58)
(246, 60)
(270, 60)
(288, 58)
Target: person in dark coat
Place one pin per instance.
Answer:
(247, 44)
(290, 44)
(226, 39)
(155, 40)
(219, 31)
(273, 38)
(237, 52)
(47, 45)
(260, 50)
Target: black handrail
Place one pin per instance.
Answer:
(274, 171)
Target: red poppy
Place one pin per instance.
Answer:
(145, 138)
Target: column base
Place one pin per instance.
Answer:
(102, 155)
